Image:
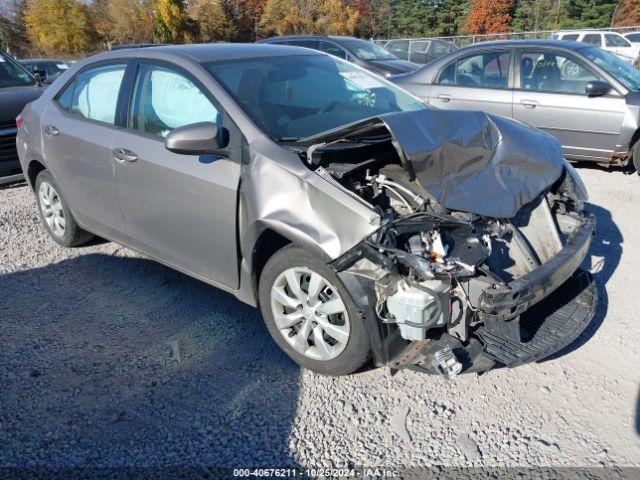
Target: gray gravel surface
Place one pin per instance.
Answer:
(110, 359)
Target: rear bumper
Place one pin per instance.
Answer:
(9, 163)
(509, 301)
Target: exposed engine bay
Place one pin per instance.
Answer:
(449, 282)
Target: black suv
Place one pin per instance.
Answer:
(361, 52)
(17, 88)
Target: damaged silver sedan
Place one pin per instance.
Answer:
(364, 225)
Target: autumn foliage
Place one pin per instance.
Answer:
(627, 14)
(489, 16)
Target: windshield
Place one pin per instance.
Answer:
(12, 75)
(297, 96)
(614, 66)
(367, 50)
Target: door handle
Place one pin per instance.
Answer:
(529, 103)
(51, 131)
(123, 155)
(444, 97)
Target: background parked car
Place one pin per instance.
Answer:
(361, 52)
(587, 98)
(419, 50)
(634, 38)
(48, 70)
(610, 41)
(17, 88)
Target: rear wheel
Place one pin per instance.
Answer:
(55, 213)
(310, 314)
(636, 157)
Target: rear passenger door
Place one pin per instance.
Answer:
(78, 129)
(550, 95)
(181, 209)
(476, 81)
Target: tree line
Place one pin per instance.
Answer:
(75, 27)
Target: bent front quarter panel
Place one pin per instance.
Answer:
(279, 193)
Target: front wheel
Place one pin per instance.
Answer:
(310, 314)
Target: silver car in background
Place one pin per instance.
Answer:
(587, 98)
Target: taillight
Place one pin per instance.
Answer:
(19, 121)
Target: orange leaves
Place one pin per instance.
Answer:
(489, 16)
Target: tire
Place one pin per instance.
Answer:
(55, 213)
(636, 157)
(309, 324)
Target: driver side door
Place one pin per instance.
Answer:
(180, 209)
(551, 96)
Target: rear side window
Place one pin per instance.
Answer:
(633, 37)
(93, 94)
(64, 98)
(165, 99)
(592, 39)
(570, 37)
(485, 70)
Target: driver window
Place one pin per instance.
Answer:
(551, 72)
(485, 70)
(164, 100)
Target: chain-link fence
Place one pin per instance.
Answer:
(462, 40)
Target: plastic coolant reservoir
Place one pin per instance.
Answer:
(415, 310)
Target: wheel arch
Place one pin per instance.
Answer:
(34, 168)
(269, 241)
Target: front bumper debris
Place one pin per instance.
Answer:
(509, 301)
(542, 331)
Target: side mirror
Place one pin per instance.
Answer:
(204, 138)
(597, 88)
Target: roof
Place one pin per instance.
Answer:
(215, 51)
(39, 60)
(311, 37)
(530, 43)
(564, 32)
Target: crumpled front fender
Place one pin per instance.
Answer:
(286, 197)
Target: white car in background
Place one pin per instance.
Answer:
(633, 37)
(610, 41)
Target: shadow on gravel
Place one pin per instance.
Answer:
(109, 361)
(606, 245)
(13, 185)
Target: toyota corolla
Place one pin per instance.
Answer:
(363, 224)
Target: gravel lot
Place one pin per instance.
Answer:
(110, 359)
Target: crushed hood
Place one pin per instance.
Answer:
(468, 160)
